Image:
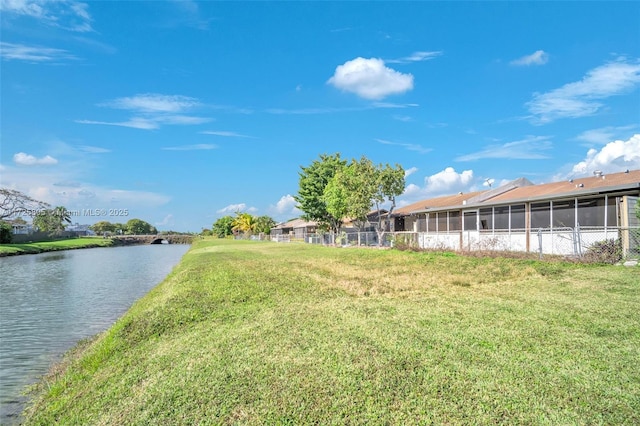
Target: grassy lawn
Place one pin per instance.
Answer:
(266, 333)
(74, 243)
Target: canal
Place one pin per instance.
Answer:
(50, 301)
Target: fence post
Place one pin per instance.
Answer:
(579, 236)
(540, 243)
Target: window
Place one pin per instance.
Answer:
(517, 217)
(442, 222)
(564, 214)
(470, 221)
(431, 222)
(501, 217)
(454, 221)
(591, 212)
(612, 211)
(486, 218)
(540, 215)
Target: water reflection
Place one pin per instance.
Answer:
(50, 301)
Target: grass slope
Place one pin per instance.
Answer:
(73, 243)
(253, 333)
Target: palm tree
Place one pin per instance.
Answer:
(244, 222)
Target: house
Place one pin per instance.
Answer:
(369, 225)
(295, 228)
(20, 227)
(79, 230)
(556, 218)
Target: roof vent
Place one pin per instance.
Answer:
(597, 173)
(580, 185)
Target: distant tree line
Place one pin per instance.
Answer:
(132, 227)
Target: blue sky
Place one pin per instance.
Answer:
(182, 112)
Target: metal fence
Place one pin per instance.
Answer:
(589, 243)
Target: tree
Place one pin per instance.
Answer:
(103, 227)
(264, 224)
(14, 202)
(244, 222)
(119, 228)
(139, 227)
(6, 232)
(52, 220)
(390, 183)
(223, 227)
(313, 181)
(358, 187)
(351, 191)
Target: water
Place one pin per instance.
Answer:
(50, 301)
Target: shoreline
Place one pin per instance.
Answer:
(20, 249)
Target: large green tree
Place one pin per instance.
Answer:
(139, 227)
(314, 179)
(223, 227)
(52, 220)
(103, 227)
(351, 191)
(359, 187)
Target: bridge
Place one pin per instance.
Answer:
(152, 239)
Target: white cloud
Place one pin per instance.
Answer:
(416, 57)
(153, 110)
(135, 123)
(286, 205)
(448, 181)
(410, 171)
(93, 149)
(224, 133)
(615, 156)
(445, 182)
(168, 220)
(196, 147)
(579, 99)
(331, 110)
(153, 103)
(408, 146)
(370, 79)
(21, 52)
(65, 186)
(29, 160)
(233, 208)
(529, 148)
(539, 57)
(603, 135)
(66, 14)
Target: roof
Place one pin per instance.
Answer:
(295, 223)
(446, 201)
(521, 190)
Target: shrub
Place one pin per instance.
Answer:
(6, 233)
(605, 251)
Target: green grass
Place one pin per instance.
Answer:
(33, 248)
(265, 333)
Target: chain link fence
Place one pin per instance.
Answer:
(590, 244)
